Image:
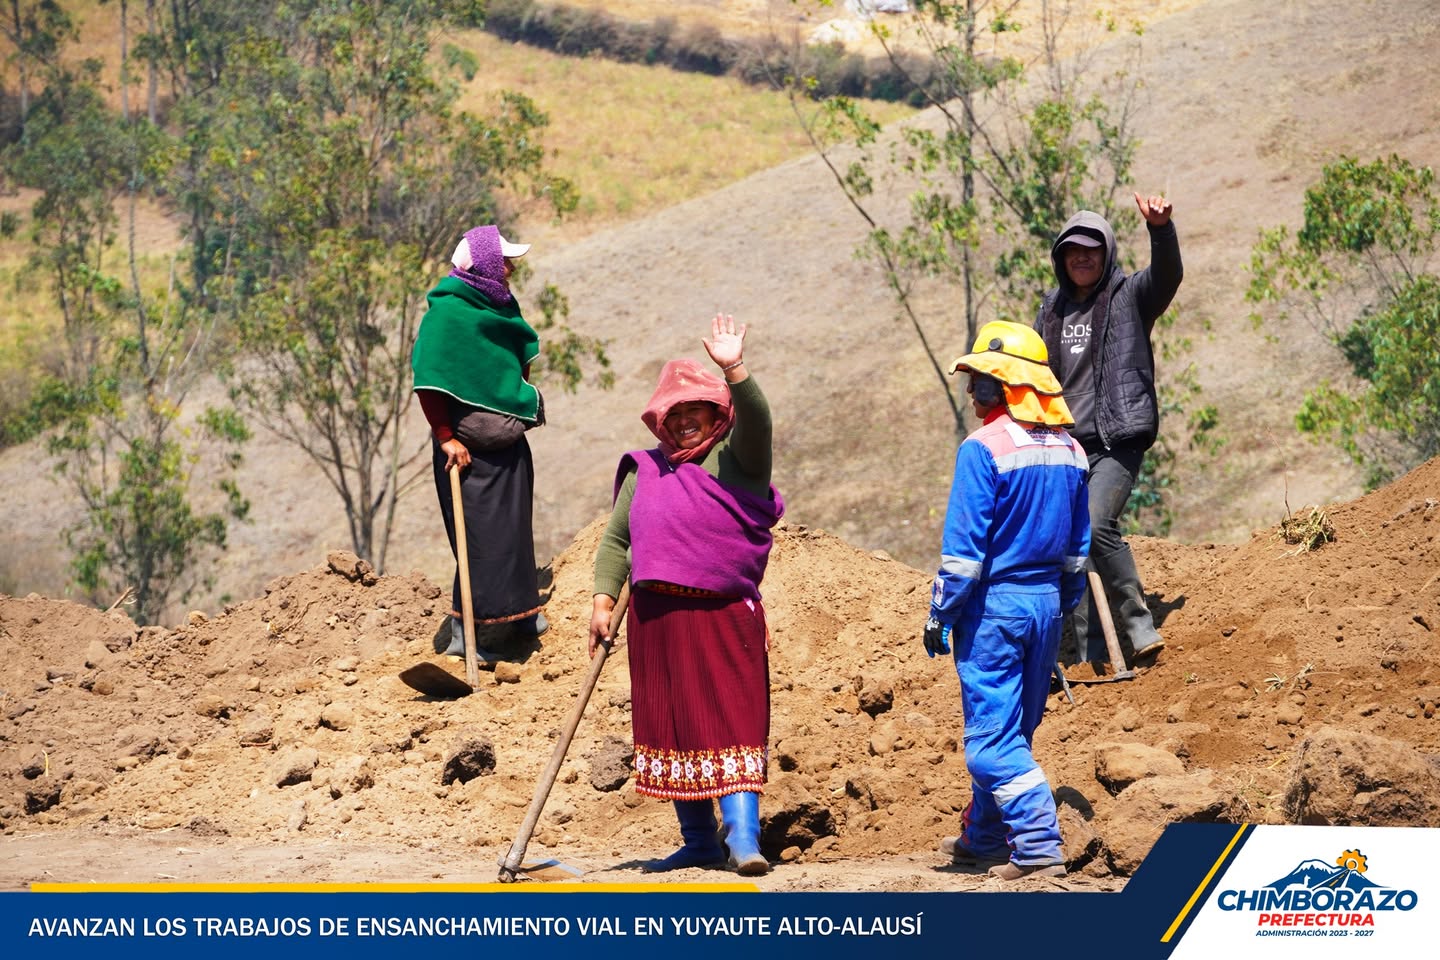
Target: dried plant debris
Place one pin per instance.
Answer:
(1307, 531)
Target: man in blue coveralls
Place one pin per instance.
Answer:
(1012, 565)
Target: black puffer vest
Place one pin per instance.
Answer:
(1127, 410)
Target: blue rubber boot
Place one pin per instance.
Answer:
(741, 812)
(702, 846)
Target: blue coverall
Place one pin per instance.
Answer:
(1017, 532)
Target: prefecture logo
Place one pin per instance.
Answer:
(1338, 897)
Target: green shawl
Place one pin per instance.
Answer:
(476, 351)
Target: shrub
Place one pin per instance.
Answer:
(702, 48)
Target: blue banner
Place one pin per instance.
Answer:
(1205, 889)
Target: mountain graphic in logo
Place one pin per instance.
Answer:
(1319, 893)
(1347, 873)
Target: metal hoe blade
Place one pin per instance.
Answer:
(434, 680)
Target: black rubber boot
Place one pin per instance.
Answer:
(1087, 647)
(1135, 625)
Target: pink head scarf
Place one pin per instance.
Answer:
(684, 381)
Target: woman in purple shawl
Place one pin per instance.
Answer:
(694, 514)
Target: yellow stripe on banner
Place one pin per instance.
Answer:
(1184, 912)
(393, 888)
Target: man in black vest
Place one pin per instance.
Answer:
(1096, 325)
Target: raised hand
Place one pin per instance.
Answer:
(726, 345)
(1155, 210)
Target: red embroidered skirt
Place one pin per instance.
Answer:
(699, 695)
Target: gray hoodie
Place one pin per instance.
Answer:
(1100, 347)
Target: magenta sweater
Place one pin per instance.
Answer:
(688, 528)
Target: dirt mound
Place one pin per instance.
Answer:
(282, 719)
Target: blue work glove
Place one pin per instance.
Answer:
(937, 637)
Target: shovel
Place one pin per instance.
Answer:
(551, 869)
(1112, 642)
(431, 678)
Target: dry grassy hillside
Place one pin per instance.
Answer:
(817, 20)
(1244, 104)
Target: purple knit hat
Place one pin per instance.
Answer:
(480, 261)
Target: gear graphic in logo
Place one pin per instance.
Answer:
(1351, 860)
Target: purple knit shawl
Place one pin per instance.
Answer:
(487, 272)
(688, 528)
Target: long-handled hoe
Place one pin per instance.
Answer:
(431, 678)
(510, 868)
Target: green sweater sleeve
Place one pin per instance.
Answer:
(743, 459)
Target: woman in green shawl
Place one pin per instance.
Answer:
(471, 362)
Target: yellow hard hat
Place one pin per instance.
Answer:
(1015, 355)
(1011, 353)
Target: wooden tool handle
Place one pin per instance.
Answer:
(462, 556)
(1107, 626)
(510, 863)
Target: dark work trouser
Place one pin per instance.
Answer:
(1112, 477)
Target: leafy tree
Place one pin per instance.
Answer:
(35, 31)
(328, 177)
(76, 151)
(993, 180)
(996, 177)
(1360, 268)
(186, 43)
(147, 49)
(131, 357)
(128, 459)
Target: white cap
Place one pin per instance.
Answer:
(508, 249)
(462, 259)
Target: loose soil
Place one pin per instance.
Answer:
(273, 741)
